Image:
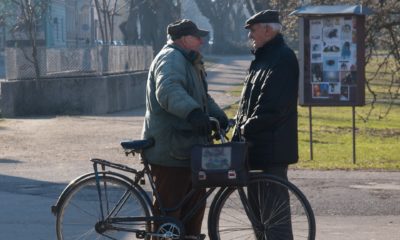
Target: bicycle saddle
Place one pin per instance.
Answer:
(137, 145)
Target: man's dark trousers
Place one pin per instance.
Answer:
(278, 229)
(173, 183)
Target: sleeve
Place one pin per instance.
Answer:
(277, 99)
(171, 93)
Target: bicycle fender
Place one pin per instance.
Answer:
(54, 208)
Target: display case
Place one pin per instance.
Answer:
(331, 55)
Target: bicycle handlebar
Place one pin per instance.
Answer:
(222, 132)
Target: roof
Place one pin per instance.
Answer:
(332, 10)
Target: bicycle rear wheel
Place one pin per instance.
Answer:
(268, 208)
(82, 209)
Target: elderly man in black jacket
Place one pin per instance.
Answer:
(267, 115)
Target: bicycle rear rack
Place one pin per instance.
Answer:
(105, 163)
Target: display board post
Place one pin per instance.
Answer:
(354, 134)
(311, 135)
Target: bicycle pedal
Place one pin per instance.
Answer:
(141, 234)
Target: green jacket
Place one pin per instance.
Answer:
(175, 87)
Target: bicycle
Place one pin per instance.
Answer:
(107, 204)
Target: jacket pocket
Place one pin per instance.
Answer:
(181, 144)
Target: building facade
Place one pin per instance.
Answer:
(55, 22)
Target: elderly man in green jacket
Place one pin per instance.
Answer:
(178, 107)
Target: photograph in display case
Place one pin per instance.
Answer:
(320, 90)
(334, 88)
(316, 72)
(331, 76)
(344, 93)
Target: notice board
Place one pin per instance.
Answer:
(332, 61)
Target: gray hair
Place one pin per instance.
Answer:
(169, 39)
(275, 26)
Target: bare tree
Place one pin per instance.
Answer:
(383, 42)
(152, 18)
(106, 11)
(29, 19)
(226, 17)
(164, 13)
(129, 28)
(254, 6)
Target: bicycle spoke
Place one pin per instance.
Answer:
(234, 232)
(83, 236)
(118, 206)
(85, 211)
(271, 209)
(109, 237)
(80, 213)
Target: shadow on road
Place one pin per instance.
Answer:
(2, 160)
(27, 186)
(137, 112)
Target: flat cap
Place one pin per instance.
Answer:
(266, 16)
(185, 27)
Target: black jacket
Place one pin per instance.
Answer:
(268, 108)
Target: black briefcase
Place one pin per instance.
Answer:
(220, 165)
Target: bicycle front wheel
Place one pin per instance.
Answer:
(83, 216)
(269, 208)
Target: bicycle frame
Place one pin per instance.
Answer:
(139, 175)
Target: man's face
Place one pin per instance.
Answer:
(192, 42)
(259, 35)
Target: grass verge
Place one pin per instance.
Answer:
(377, 141)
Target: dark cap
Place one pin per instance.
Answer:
(185, 27)
(266, 16)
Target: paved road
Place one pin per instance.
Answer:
(2, 67)
(38, 156)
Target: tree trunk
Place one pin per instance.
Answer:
(100, 21)
(220, 14)
(35, 60)
(105, 8)
(220, 45)
(129, 27)
(32, 37)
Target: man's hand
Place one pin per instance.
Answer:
(200, 122)
(223, 121)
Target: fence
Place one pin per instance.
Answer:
(65, 62)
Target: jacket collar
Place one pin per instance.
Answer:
(273, 43)
(192, 56)
(177, 47)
